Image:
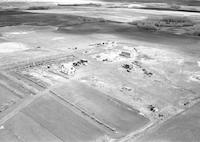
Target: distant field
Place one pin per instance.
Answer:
(13, 18)
(170, 24)
(10, 5)
(184, 2)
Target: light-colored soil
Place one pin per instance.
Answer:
(8, 47)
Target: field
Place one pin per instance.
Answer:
(120, 119)
(184, 128)
(99, 72)
(27, 129)
(8, 98)
(61, 121)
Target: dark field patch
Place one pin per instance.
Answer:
(14, 18)
(97, 27)
(11, 12)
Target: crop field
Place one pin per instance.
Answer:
(8, 98)
(28, 130)
(61, 121)
(119, 118)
